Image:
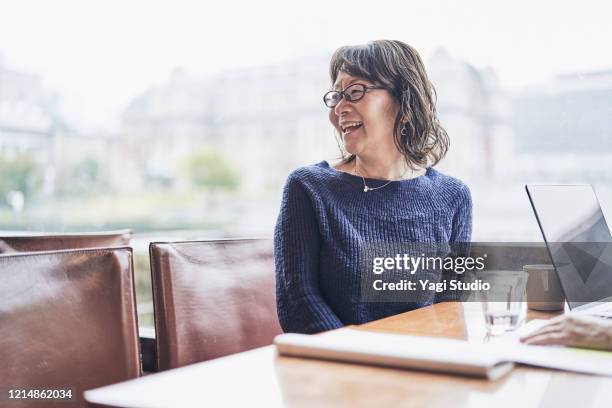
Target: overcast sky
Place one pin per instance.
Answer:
(99, 54)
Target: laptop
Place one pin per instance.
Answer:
(579, 244)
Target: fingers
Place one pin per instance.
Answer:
(557, 324)
(547, 339)
(553, 327)
(562, 330)
(573, 330)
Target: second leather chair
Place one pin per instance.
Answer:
(212, 298)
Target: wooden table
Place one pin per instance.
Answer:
(261, 378)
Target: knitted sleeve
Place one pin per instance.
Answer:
(461, 236)
(300, 305)
(462, 220)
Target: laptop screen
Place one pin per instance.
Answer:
(578, 239)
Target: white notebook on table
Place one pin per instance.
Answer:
(486, 360)
(396, 350)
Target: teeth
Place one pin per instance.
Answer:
(349, 125)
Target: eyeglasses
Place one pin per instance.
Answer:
(352, 93)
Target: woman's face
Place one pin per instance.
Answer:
(376, 112)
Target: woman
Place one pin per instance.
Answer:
(384, 190)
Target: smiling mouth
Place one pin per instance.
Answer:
(348, 128)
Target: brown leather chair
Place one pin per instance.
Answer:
(68, 320)
(56, 242)
(212, 298)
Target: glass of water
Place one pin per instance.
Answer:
(504, 304)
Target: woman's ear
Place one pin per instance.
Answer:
(406, 117)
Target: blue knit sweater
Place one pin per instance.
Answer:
(325, 217)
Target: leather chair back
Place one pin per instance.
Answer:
(212, 298)
(56, 242)
(68, 319)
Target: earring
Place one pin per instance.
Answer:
(404, 131)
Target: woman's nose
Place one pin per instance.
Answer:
(342, 107)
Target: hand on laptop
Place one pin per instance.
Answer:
(574, 330)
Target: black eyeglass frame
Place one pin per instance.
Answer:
(346, 95)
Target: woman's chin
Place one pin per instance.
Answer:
(351, 146)
(350, 149)
(354, 149)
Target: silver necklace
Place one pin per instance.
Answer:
(367, 188)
